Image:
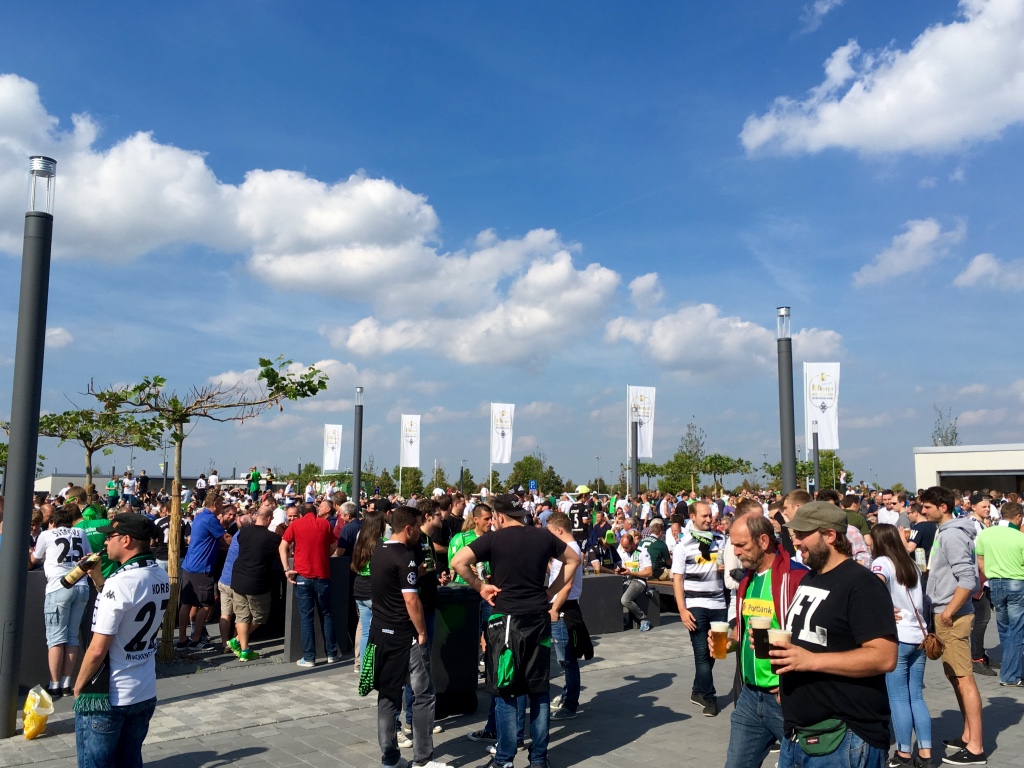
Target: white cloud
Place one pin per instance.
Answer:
(697, 340)
(646, 290)
(58, 337)
(815, 12)
(543, 309)
(938, 95)
(537, 408)
(876, 421)
(987, 271)
(928, 182)
(524, 443)
(921, 245)
(982, 417)
(972, 390)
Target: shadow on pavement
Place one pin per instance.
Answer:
(205, 758)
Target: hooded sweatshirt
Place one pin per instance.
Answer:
(953, 565)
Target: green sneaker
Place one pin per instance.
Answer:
(235, 647)
(248, 655)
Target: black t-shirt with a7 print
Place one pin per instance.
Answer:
(833, 612)
(392, 573)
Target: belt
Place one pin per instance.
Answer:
(759, 689)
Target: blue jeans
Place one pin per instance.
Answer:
(365, 608)
(1008, 604)
(569, 663)
(905, 685)
(113, 739)
(703, 681)
(853, 752)
(429, 621)
(507, 719)
(492, 727)
(310, 594)
(756, 722)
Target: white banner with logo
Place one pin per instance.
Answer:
(502, 415)
(410, 453)
(640, 408)
(332, 448)
(821, 404)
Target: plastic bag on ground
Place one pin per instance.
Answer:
(38, 708)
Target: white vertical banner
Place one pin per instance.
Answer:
(640, 408)
(410, 454)
(502, 415)
(332, 448)
(821, 404)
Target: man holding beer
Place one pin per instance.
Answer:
(838, 642)
(763, 596)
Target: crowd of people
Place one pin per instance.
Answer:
(848, 588)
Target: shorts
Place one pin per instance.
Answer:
(227, 600)
(956, 657)
(251, 609)
(197, 589)
(62, 613)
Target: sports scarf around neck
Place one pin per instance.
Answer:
(95, 696)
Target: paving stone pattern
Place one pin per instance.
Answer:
(635, 711)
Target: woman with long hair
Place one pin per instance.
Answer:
(905, 684)
(371, 533)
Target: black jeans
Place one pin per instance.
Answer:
(982, 616)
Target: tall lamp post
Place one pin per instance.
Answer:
(598, 473)
(24, 436)
(817, 464)
(787, 421)
(462, 477)
(357, 450)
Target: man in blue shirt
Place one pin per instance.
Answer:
(197, 578)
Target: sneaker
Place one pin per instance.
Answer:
(711, 707)
(436, 729)
(482, 735)
(404, 741)
(234, 647)
(981, 668)
(956, 743)
(493, 749)
(304, 663)
(496, 764)
(55, 693)
(182, 645)
(775, 748)
(68, 692)
(332, 659)
(202, 644)
(402, 763)
(432, 764)
(407, 729)
(899, 762)
(645, 625)
(926, 762)
(965, 757)
(1018, 684)
(563, 714)
(698, 699)
(248, 655)
(556, 702)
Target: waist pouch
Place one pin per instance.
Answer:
(821, 738)
(518, 658)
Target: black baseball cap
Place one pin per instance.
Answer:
(509, 504)
(139, 527)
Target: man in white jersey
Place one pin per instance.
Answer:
(59, 549)
(565, 613)
(698, 580)
(116, 687)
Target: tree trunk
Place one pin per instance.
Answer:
(89, 487)
(173, 554)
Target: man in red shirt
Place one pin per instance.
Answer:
(314, 542)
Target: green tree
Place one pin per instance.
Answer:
(410, 481)
(387, 483)
(496, 486)
(98, 431)
(718, 466)
(648, 469)
(684, 469)
(945, 431)
(534, 467)
(438, 478)
(469, 485)
(276, 382)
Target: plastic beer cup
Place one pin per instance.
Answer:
(775, 637)
(719, 639)
(759, 626)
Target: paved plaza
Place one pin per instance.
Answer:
(635, 711)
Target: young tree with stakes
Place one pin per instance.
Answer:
(276, 381)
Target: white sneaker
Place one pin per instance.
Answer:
(304, 663)
(404, 741)
(331, 659)
(436, 729)
(431, 764)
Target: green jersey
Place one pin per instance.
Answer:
(460, 540)
(757, 602)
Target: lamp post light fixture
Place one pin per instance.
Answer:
(787, 420)
(26, 393)
(817, 464)
(462, 477)
(357, 450)
(598, 473)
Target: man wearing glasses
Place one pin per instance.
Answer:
(116, 687)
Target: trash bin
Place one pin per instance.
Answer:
(453, 658)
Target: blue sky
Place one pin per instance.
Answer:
(536, 203)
